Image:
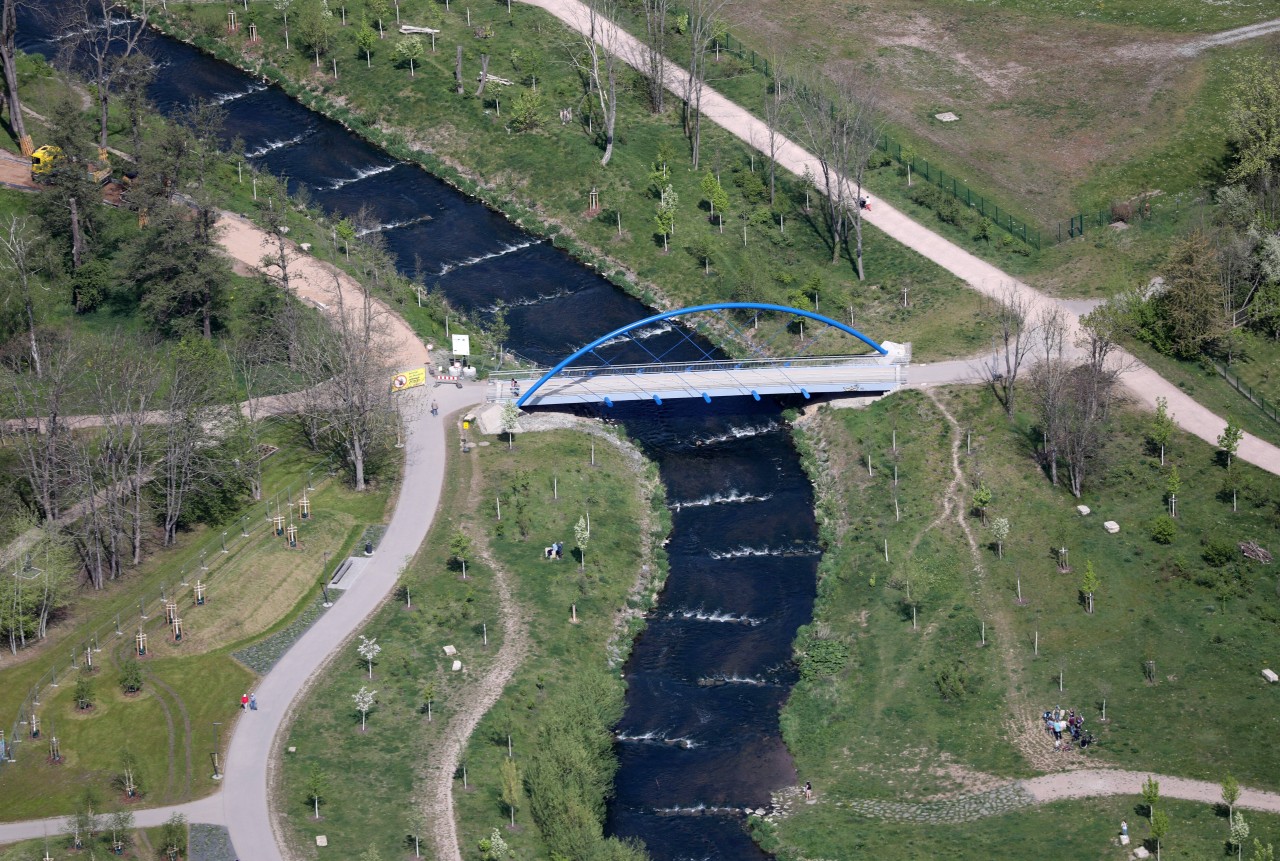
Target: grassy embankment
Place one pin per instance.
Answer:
(387, 762)
(542, 177)
(934, 712)
(256, 588)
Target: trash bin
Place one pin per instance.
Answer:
(368, 548)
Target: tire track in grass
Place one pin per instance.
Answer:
(186, 728)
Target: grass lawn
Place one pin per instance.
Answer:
(387, 761)
(1082, 829)
(514, 170)
(881, 728)
(256, 587)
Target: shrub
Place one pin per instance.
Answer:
(819, 658)
(953, 682)
(1217, 552)
(84, 691)
(1163, 529)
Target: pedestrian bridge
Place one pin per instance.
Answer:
(660, 380)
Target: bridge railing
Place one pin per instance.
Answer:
(701, 366)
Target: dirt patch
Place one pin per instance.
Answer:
(1044, 100)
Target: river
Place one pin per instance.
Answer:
(699, 740)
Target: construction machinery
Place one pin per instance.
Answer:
(46, 157)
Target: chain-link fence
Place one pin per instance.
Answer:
(1269, 408)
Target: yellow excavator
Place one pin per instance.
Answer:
(44, 159)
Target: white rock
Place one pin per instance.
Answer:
(1124, 839)
(1270, 675)
(946, 117)
(306, 246)
(322, 840)
(1083, 509)
(450, 651)
(1111, 526)
(1141, 852)
(457, 665)
(293, 750)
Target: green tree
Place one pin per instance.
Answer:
(1239, 833)
(379, 10)
(317, 27)
(526, 113)
(1159, 828)
(1261, 852)
(582, 535)
(419, 828)
(1190, 308)
(1172, 486)
(981, 500)
(460, 548)
(1229, 439)
(317, 787)
(370, 854)
(1230, 793)
(83, 694)
(428, 697)
(1253, 121)
(666, 217)
(346, 231)
(702, 249)
(715, 195)
(1163, 529)
(1089, 583)
(131, 676)
(1162, 427)
(409, 51)
(178, 269)
(494, 848)
(366, 39)
(173, 836)
(511, 787)
(1150, 795)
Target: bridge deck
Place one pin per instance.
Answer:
(608, 386)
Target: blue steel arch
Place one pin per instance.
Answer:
(695, 309)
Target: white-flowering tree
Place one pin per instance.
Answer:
(369, 650)
(1000, 532)
(582, 535)
(364, 699)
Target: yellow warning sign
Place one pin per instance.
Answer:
(409, 379)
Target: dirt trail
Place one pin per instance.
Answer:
(477, 699)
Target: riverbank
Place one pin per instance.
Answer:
(543, 486)
(775, 253)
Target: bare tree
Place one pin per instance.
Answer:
(195, 405)
(655, 21)
(1017, 336)
(1091, 391)
(91, 36)
(40, 432)
(350, 361)
(18, 244)
(9, 62)
(774, 116)
(703, 18)
(838, 123)
(597, 60)
(1049, 380)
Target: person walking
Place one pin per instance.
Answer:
(435, 408)
(253, 702)
(244, 702)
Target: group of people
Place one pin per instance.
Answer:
(249, 702)
(1067, 728)
(555, 551)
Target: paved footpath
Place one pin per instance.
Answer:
(1144, 384)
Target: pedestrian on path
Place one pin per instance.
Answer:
(435, 408)
(244, 702)
(253, 702)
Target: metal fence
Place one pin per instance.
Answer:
(211, 556)
(1269, 408)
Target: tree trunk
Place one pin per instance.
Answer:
(457, 70)
(8, 59)
(77, 240)
(484, 74)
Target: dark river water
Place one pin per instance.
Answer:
(699, 740)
